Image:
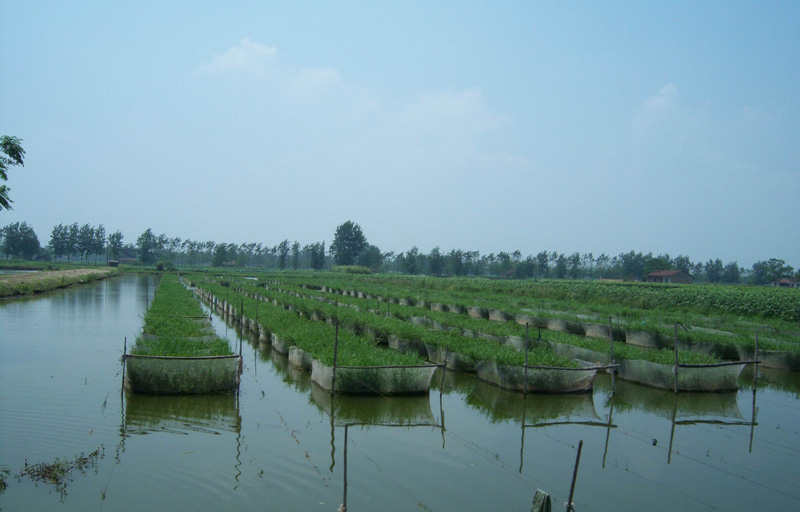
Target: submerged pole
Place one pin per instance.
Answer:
(574, 477)
(676, 358)
(124, 355)
(527, 347)
(611, 343)
(755, 368)
(335, 355)
(343, 508)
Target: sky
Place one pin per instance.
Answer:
(603, 127)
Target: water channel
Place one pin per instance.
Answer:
(281, 444)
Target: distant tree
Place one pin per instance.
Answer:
(72, 240)
(59, 240)
(654, 263)
(765, 272)
(436, 261)
(503, 262)
(561, 266)
(348, 243)
(633, 264)
(147, 247)
(12, 154)
(542, 261)
(220, 255)
(295, 255)
(713, 270)
(409, 261)
(455, 262)
(99, 244)
(372, 257)
(574, 265)
(283, 253)
(115, 244)
(85, 241)
(731, 274)
(526, 268)
(318, 255)
(682, 262)
(20, 241)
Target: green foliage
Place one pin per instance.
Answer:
(348, 244)
(351, 269)
(765, 272)
(19, 240)
(147, 246)
(175, 325)
(165, 265)
(115, 244)
(12, 154)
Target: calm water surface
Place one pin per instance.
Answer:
(280, 443)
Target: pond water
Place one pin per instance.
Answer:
(276, 446)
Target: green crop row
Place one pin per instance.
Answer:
(316, 338)
(382, 327)
(775, 335)
(500, 329)
(175, 325)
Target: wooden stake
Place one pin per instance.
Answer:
(574, 477)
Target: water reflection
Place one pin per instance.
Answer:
(666, 404)
(181, 414)
(371, 411)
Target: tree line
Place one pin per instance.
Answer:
(85, 243)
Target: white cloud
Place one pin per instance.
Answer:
(247, 57)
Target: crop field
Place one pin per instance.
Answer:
(484, 321)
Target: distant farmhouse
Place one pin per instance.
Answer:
(669, 276)
(785, 282)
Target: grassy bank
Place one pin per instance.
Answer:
(45, 280)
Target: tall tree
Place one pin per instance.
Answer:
(348, 243)
(12, 154)
(714, 270)
(283, 253)
(436, 261)
(20, 241)
(295, 255)
(147, 247)
(85, 241)
(99, 245)
(765, 272)
(372, 257)
(115, 244)
(731, 274)
(59, 240)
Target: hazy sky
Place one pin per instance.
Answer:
(491, 126)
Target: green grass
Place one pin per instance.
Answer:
(175, 325)
(45, 280)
